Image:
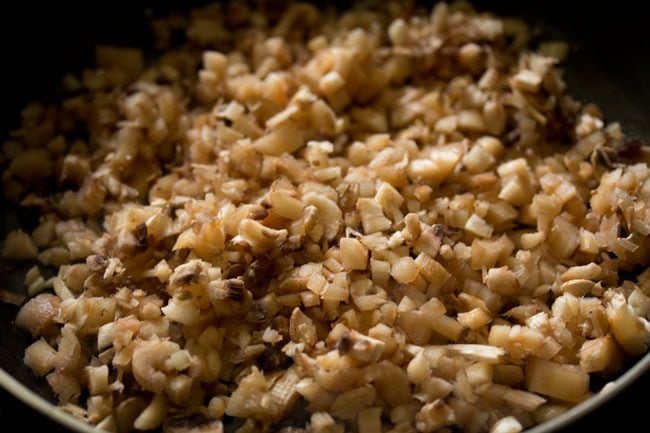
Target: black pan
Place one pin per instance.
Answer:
(609, 65)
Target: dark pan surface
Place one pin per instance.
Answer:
(39, 41)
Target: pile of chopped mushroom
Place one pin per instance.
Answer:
(311, 221)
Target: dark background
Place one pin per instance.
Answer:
(609, 65)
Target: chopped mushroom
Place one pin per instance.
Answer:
(363, 220)
(509, 424)
(38, 314)
(149, 363)
(361, 347)
(600, 354)
(354, 256)
(19, 246)
(556, 380)
(433, 416)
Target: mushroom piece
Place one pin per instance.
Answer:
(361, 347)
(148, 363)
(37, 315)
(187, 273)
(259, 237)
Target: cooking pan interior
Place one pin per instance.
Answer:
(41, 41)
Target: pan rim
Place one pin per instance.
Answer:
(581, 410)
(35, 401)
(41, 405)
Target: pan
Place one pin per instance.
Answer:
(608, 65)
